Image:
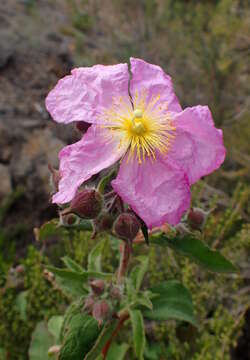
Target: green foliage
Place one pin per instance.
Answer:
(138, 333)
(102, 339)
(41, 341)
(171, 301)
(81, 334)
(191, 246)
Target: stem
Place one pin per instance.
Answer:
(122, 319)
(125, 254)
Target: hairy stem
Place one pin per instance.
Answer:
(113, 335)
(125, 254)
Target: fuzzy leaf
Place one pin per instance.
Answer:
(102, 340)
(41, 341)
(142, 299)
(72, 265)
(196, 250)
(139, 271)
(70, 282)
(117, 352)
(50, 228)
(81, 335)
(138, 332)
(171, 301)
(105, 181)
(94, 258)
(54, 327)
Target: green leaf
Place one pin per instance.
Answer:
(70, 282)
(48, 229)
(94, 258)
(74, 308)
(21, 304)
(138, 332)
(117, 352)
(139, 271)
(72, 265)
(171, 301)
(196, 250)
(54, 327)
(143, 299)
(105, 181)
(41, 341)
(84, 225)
(81, 334)
(102, 340)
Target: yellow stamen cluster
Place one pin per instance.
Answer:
(147, 128)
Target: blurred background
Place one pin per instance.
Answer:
(203, 45)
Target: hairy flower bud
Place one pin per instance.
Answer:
(89, 304)
(101, 311)
(87, 204)
(82, 126)
(97, 286)
(126, 226)
(197, 218)
(103, 222)
(69, 219)
(116, 293)
(54, 350)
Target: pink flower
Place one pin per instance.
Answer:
(138, 121)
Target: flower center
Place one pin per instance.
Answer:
(137, 123)
(148, 128)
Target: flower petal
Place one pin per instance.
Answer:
(153, 79)
(97, 150)
(157, 191)
(84, 94)
(198, 147)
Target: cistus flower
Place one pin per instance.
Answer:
(137, 120)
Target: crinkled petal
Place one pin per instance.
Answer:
(152, 80)
(83, 95)
(157, 191)
(198, 147)
(97, 150)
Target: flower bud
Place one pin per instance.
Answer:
(101, 311)
(97, 286)
(54, 350)
(197, 218)
(89, 304)
(87, 204)
(103, 222)
(20, 269)
(126, 226)
(116, 293)
(82, 126)
(69, 219)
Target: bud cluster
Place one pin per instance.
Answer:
(107, 212)
(102, 300)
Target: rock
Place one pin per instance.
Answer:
(5, 144)
(5, 177)
(40, 149)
